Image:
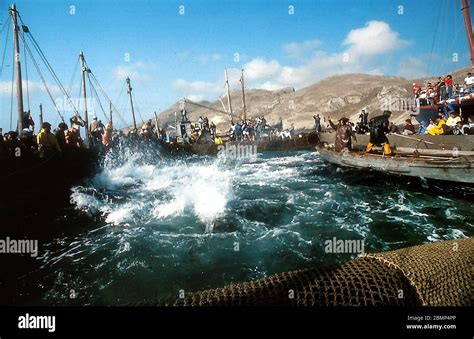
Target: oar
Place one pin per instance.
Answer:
(421, 140)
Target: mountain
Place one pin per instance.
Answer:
(334, 97)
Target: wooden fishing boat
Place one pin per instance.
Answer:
(299, 142)
(424, 141)
(447, 166)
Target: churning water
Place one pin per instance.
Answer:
(155, 226)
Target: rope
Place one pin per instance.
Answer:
(106, 96)
(48, 66)
(41, 77)
(91, 86)
(73, 75)
(7, 22)
(210, 108)
(434, 40)
(136, 108)
(26, 75)
(5, 49)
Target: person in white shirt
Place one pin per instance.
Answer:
(469, 81)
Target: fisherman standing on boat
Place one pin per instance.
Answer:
(60, 134)
(343, 134)
(47, 143)
(378, 129)
(317, 123)
(28, 122)
(94, 129)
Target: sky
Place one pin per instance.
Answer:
(172, 49)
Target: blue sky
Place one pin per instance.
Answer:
(173, 55)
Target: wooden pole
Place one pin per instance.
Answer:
(467, 24)
(156, 125)
(18, 81)
(176, 124)
(229, 102)
(41, 116)
(110, 113)
(86, 116)
(131, 103)
(243, 95)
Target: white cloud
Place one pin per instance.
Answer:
(198, 90)
(375, 38)
(299, 49)
(258, 69)
(138, 71)
(34, 88)
(365, 50)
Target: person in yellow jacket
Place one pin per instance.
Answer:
(47, 142)
(217, 140)
(439, 127)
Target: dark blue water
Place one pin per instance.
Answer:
(151, 226)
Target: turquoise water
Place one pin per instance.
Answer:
(148, 227)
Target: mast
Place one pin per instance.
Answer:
(19, 89)
(467, 23)
(229, 102)
(243, 95)
(156, 126)
(110, 113)
(131, 103)
(41, 115)
(86, 117)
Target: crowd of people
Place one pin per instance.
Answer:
(381, 126)
(240, 130)
(443, 89)
(50, 142)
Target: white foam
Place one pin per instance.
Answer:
(203, 189)
(122, 214)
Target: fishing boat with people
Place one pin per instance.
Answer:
(446, 153)
(428, 100)
(50, 159)
(441, 165)
(203, 139)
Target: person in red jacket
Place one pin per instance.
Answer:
(449, 85)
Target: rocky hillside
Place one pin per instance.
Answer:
(334, 97)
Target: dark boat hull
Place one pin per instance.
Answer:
(454, 169)
(304, 141)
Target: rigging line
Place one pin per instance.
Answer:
(69, 89)
(79, 101)
(210, 108)
(26, 73)
(96, 96)
(137, 108)
(5, 49)
(6, 22)
(48, 65)
(43, 80)
(105, 95)
(55, 77)
(434, 40)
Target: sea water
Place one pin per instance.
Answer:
(148, 226)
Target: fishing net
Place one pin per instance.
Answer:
(437, 274)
